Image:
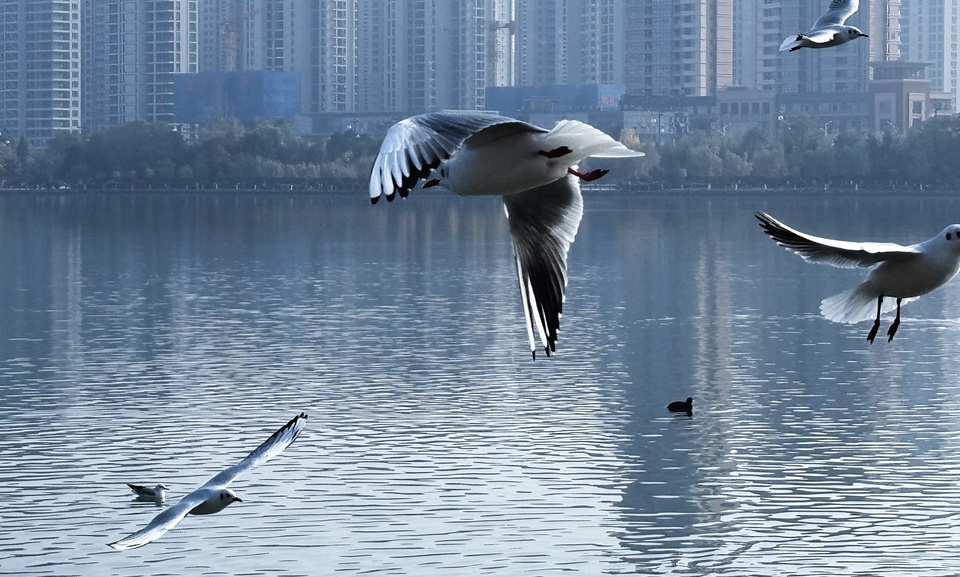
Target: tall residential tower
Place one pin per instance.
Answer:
(131, 50)
(930, 31)
(40, 66)
(682, 48)
(570, 41)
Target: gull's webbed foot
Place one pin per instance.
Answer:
(588, 176)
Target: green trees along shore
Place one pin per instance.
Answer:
(271, 153)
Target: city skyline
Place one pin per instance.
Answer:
(92, 65)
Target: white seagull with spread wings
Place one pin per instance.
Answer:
(899, 272)
(214, 496)
(535, 170)
(829, 30)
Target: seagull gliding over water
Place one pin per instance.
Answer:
(214, 496)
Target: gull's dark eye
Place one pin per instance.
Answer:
(949, 236)
(222, 496)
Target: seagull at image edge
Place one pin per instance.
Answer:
(896, 272)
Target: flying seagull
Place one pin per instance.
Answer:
(156, 493)
(898, 272)
(534, 169)
(829, 29)
(214, 495)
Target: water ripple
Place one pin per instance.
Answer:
(160, 339)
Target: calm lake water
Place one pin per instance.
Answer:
(160, 338)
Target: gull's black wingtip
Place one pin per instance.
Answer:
(766, 221)
(374, 199)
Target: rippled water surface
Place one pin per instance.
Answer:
(160, 338)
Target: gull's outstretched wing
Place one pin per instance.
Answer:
(270, 448)
(837, 13)
(543, 224)
(414, 147)
(838, 253)
(162, 523)
(169, 518)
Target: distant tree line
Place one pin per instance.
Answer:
(272, 153)
(154, 155)
(801, 150)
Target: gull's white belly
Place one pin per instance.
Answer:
(506, 166)
(911, 279)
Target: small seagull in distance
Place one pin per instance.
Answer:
(534, 170)
(681, 406)
(214, 496)
(156, 493)
(829, 29)
(896, 272)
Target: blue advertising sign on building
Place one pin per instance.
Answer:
(245, 95)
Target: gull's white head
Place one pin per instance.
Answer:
(216, 502)
(227, 496)
(950, 237)
(852, 32)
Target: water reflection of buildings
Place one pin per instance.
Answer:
(807, 443)
(66, 296)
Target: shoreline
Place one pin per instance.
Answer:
(698, 189)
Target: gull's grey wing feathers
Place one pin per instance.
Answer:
(162, 523)
(837, 13)
(270, 448)
(839, 253)
(543, 223)
(415, 146)
(142, 490)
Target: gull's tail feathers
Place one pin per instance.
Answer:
(856, 305)
(585, 140)
(791, 43)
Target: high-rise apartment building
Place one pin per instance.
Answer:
(222, 25)
(930, 30)
(438, 55)
(757, 34)
(131, 50)
(316, 38)
(40, 66)
(570, 41)
(679, 48)
(369, 55)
